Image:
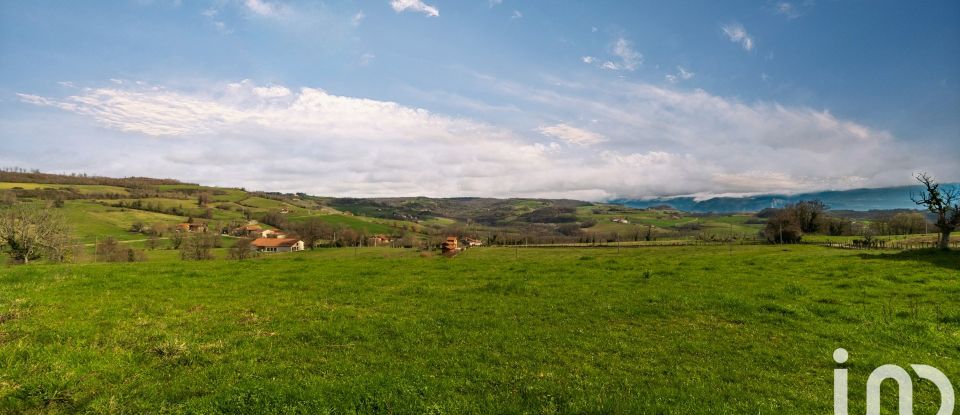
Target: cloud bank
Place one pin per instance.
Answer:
(639, 140)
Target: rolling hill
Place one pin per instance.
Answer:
(885, 198)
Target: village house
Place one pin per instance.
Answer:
(249, 230)
(276, 245)
(191, 227)
(272, 233)
(450, 245)
(470, 242)
(378, 240)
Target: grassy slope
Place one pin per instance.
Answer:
(354, 222)
(91, 220)
(663, 330)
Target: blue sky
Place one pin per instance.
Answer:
(591, 100)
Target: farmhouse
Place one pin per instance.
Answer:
(276, 245)
(272, 233)
(450, 245)
(472, 242)
(191, 227)
(379, 240)
(249, 230)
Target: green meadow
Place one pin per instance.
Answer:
(672, 330)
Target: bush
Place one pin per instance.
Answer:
(109, 250)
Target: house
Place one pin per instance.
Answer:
(284, 211)
(620, 220)
(472, 242)
(191, 227)
(450, 245)
(272, 233)
(276, 245)
(378, 240)
(249, 230)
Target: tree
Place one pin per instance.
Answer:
(153, 242)
(312, 230)
(569, 229)
(29, 232)
(808, 213)
(109, 250)
(197, 247)
(944, 202)
(242, 249)
(202, 199)
(783, 228)
(176, 239)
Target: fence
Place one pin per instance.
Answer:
(882, 244)
(855, 244)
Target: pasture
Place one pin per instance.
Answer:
(679, 330)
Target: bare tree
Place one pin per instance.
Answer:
(242, 249)
(30, 231)
(153, 242)
(312, 230)
(197, 247)
(943, 202)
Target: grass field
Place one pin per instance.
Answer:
(354, 222)
(90, 221)
(654, 330)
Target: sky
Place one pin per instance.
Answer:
(591, 100)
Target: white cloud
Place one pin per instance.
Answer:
(262, 7)
(786, 9)
(271, 92)
(738, 34)
(627, 58)
(572, 135)
(792, 10)
(494, 3)
(400, 6)
(516, 14)
(681, 75)
(358, 18)
(641, 140)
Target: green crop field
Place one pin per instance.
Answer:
(677, 330)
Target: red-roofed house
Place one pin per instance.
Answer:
(276, 245)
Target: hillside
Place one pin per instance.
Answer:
(886, 198)
(134, 210)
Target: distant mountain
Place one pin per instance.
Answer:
(858, 199)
